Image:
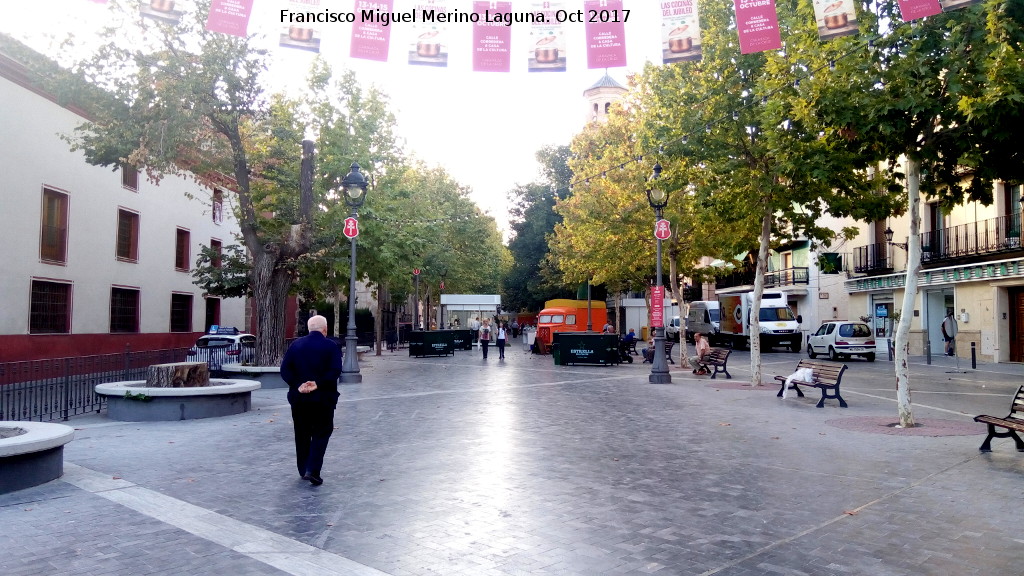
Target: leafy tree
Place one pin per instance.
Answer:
(940, 98)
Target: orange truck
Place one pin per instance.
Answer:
(564, 315)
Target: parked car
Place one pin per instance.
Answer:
(841, 339)
(225, 346)
(672, 329)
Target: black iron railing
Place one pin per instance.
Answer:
(871, 258)
(773, 279)
(1002, 234)
(57, 389)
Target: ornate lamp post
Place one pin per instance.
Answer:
(888, 239)
(353, 187)
(658, 199)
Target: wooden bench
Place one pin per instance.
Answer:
(1013, 422)
(668, 352)
(827, 377)
(630, 346)
(718, 358)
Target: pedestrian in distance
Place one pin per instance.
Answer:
(949, 330)
(502, 336)
(474, 327)
(608, 328)
(311, 367)
(485, 335)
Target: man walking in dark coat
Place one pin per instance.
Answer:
(311, 367)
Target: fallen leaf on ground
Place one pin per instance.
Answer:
(724, 424)
(850, 512)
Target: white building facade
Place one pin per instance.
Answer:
(97, 260)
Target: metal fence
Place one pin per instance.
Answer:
(57, 389)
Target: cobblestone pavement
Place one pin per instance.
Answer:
(461, 466)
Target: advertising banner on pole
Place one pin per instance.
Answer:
(835, 18)
(914, 9)
(298, 31)
(657, 306)
(757, 24)
(606, 33)
(429, 45)
(547, 39)
(371, 38)
(680, 31)
(492, 39)
(229, 17)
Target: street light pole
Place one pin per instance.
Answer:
(354, 188)
(658, 199)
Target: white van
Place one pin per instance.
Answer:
(703, 317)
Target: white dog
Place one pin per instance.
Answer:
(802, 374)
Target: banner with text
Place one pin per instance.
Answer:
(547, 39)
(757, 25)
(606, 33)
(835, 18)
(296, 30)
(371, 37)
(914, 9)
(950, 5)
(680, 31)
(657, 306)
(492, 39)
(229, 17)
(429, 46)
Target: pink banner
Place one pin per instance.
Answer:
(492, 38)
(680, 31)
(547, 39)
(371, 38)
(657, 306)
(757, 25)
(229, 17)
(606, 33)
(914, 9)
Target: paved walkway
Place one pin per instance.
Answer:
(460, 466)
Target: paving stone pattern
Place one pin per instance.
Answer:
(464, 466)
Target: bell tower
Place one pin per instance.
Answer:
(600, 98)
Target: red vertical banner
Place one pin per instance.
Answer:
(370, 39)
(657, 306)
(606, 33)
(492, 38)
(547, 39)
(914, 9)
(757, 25)
(229, 17)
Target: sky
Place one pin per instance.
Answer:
(484, 128)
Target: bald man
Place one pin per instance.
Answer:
(311, 367)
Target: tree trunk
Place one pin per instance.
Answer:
(337, 311)
(755, 306)
(902, 344)
(378, 322)
(270, 290)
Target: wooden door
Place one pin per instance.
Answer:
(1017, 325)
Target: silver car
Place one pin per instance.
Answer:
(219, 349)
(841, 339)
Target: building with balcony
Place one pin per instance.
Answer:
(972, 263)
(97, 259)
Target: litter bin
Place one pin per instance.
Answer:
(528, 338)
(556, 353)
(644, 333)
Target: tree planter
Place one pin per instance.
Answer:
(267, 376)
(31, 453)
(136, 402)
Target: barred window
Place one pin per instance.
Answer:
(51, 308)
(127, 235)
(181, 312)
(218, 206)
(218, 249)
(181, 250)
(130, 177)
(53, 239)
(124, 310)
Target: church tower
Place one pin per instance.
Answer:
(600, 98)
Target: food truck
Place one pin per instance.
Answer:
(564, 315)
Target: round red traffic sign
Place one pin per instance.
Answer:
(662, 229)
(351, 228)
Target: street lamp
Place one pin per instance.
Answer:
(353, 186)
(440, 303)
(888, 239)
(658, 199)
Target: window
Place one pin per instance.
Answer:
(181, 312)
(212, 313)
(51, 308)
(124, 310)
(130, 177)
(127, 235)
(218, 249)
(218, 206)
(53, 238)
(181, 250)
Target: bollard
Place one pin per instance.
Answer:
(928, 351)
(974, 357)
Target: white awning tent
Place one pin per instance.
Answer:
(472, 302)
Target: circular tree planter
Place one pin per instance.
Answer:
(136, 402)
(267, 376)
(31, 453)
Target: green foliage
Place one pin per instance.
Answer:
(224, 274)
(140, 397)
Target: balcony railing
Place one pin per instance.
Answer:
(871, 258)
(992, 236)
(773, 279)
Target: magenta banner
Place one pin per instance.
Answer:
(492, 38)
(547, 39)
(229, 17)
(371, 39)
(914, 9)
(606, 33)
(757, 25)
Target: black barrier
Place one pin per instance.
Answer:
(431, 343)
(463, 339)
(585, 348)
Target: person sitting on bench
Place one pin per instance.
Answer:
(702, 349)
